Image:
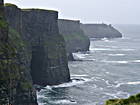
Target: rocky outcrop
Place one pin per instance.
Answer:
(100, 31)
(45, 49)
(74, 36)
(132, 100)
(15, 85)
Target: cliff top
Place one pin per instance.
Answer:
(10, 5)
(38, 9)
(28, 9)
(69, 20)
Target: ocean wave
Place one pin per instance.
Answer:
(63, 102)
(116, 54)
(128, 83)
(107, 40)
(74, 81)
(118, 94)
(110, 49)
(76, 75)
(121, 62)
(136, 61)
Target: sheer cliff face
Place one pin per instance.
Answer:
(100, 31)
(16, 75)
(49, 61)
(73, 35)
(46, 57)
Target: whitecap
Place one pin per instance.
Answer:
(78, 55)
(116, 54)
(41, 103)
(134, 83)
(118, 94)
(109, 49)
(101, 49)
(105, 39)
(74, 82)
(63, 102)
(136, 61)
(111, 94)
(128, 83)
(121, 62)
(127, 49)
(48, 87)
(76, 75)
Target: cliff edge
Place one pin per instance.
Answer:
(15, 83)
(100, 31)
(47, 58)
(74, 36)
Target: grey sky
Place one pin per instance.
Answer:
(90, 11)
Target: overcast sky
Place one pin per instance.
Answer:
(90, 11)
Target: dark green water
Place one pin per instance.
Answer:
(111, 69)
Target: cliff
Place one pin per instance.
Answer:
(132, 100)
(100, 31)
(15, 86)
(47, 60)
(74, 36)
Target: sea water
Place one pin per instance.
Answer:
(111, 69)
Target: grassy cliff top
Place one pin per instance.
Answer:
(39, 9)
(28, 9)
(69, 20)
(10, 5)
(132, 100)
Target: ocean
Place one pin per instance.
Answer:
(111, 69)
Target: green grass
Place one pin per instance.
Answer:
(3, 24)
(9, 5)
(75, 36)
(132, 100)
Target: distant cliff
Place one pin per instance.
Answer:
(100, 31)
(74, 36)
(45, 46)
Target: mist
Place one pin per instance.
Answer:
(89, 11)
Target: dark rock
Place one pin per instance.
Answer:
(45, 46)
(74, 36)
(49, 61)
(100, 31)
(70, 56)
(15, 87)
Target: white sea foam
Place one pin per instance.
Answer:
(118, 94)
(79, 55)
(105, 39)
(128, 83)
(116, 54)
(134, 83)
(40, 96)
(136, 61)
(41, 103)
(63, 102)
(74, 82)
(109, 49)
(102, 49)
(121, 62)
(127, 49)
(76, 75)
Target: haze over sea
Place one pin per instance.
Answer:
(111, 69)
